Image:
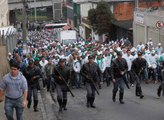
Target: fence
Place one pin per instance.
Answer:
(8, 40)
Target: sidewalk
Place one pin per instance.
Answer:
(29, 114)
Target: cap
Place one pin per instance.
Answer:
(36, 59)
(90, 57)
(9, 53)
(139, 53)
(30, 62)
(62, 60)
(119, 53)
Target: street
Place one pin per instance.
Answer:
(149, 108)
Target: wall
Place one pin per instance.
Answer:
(124, 10)
(4, 19)
(3, 61)
(85, 7)
(144, 27)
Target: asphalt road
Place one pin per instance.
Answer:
(149, 108)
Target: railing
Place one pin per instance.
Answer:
(9, 40)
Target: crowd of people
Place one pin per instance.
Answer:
(86, 62)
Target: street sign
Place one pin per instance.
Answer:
(160, 24)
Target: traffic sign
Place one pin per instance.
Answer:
(160, 24)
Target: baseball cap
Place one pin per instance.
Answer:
(139, 53)
(62, 60)
(90, 57)
(30, 62)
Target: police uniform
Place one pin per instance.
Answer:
(119, 67)
(32, 74)
(138, 66)
(90, 70)
(61, 87)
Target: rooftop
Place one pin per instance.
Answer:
(95, 1)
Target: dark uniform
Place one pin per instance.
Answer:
(61, 87)
(32, 74)
(90, 70)
(48, 70)
(119, 67)
(138, 66)
(161, 86)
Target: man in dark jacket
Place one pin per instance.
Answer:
(61, 71)
(32, 74)
(138, 66)
(119, 68)
(91, 71)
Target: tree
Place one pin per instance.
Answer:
(92, 16)
(101, 17)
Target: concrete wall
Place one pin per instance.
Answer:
(144, 27)
(4, 15)
(85, 8)
(4, 66)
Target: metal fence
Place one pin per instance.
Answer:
(8, 39)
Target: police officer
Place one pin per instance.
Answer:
(119, 68)
(138, 66)
(161, 86)
(91, 70)
(48, 70)
(32, 74)
(61, 71)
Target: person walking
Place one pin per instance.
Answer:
(61, 71)
(14, 87)
(138, 66)
(48, 71)
(119, 68)
(92, 74)
(32, 74)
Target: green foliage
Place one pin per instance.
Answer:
(101, 17)
(92, 16)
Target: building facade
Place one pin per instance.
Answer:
(148, 25)
(4, 16)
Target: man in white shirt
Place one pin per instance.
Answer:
(129, 59)
(152, 65)
(42, 63)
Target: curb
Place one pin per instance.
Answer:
(44, 116)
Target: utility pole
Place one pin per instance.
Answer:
(24, 21)
(136, 4)
(35, 11)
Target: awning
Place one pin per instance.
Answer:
(127, 24)
(66, 27)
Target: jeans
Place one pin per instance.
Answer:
(61, 92)
(119, 83)
(153, 73)
(32, 92)
(78, 79)
(90, 90)
(10, 104)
